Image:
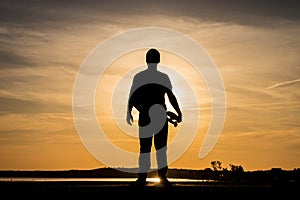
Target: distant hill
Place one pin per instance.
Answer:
(274, 175)
(103, 173)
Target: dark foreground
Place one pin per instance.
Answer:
(94, 189)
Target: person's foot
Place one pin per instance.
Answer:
(164, 182)
(141, 181)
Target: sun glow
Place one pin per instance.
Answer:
(155, 180)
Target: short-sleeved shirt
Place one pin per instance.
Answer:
(148, 88)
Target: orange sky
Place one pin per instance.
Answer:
(257, 55)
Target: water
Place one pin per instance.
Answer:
(178, 180)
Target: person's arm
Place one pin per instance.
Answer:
(129, 117)
(174, 103)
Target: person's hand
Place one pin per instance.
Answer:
(179, 117)
(129, 118)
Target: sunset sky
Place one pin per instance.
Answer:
(254, 44)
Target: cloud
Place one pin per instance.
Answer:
(11, 59)
(283, 84)
(247, 12)
(10, 105)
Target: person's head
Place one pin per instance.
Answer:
(152, 56)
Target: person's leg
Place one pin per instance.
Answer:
(145, 147)
(160, 143)
(144, 157)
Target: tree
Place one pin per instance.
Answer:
(217, 169)
(216, 165)
(236, 169)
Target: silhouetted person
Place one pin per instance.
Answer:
(147, 95)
